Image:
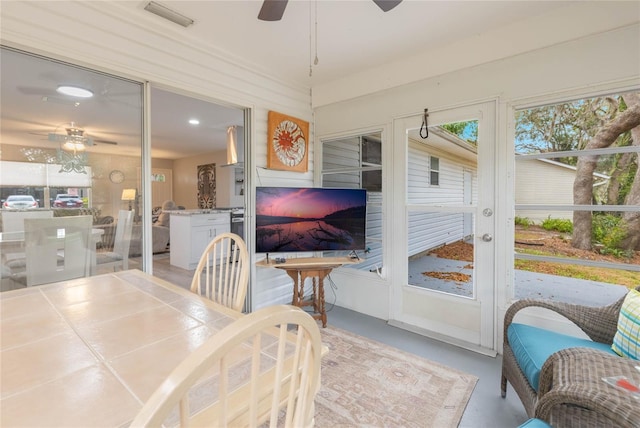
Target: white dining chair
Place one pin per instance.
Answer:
(57, 249)
(222, 274)
(13, 221)
(277, 347)
(119, 256)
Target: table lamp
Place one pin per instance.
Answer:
(129, 195)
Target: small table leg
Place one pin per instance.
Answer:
(320, 300)
(299, 276)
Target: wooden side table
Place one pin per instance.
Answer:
(316, 268)
(572, 391)
(317, 275)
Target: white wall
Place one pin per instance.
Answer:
(602, 62)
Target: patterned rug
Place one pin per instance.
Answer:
(369, 384)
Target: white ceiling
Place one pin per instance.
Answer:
(352, 36)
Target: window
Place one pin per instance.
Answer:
(434, 171)
(356, 162)
(577, 193)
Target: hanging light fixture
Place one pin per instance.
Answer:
(71, 153)
(232, 147)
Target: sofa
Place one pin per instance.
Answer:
(159, 234)
(527, 348)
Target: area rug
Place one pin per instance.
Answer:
(369, 384)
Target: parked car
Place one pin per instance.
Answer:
(68, 201)
(20, 202)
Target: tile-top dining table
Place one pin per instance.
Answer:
(90, 351)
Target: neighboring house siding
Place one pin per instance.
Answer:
(344, 153)
(430, 230)
(543, 183)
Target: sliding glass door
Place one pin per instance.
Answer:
(73, 153)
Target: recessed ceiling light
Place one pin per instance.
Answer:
(75, 91)
(194, 121)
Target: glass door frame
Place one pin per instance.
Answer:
(430, 312)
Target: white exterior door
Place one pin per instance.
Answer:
(444, 192)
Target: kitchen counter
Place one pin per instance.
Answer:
(200, 211)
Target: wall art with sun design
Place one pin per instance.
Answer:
(287, 143)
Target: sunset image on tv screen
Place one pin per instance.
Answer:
(310, 219)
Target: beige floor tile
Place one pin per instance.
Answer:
(108, 308)
(97, 398)
(39, 362)
(117, 337)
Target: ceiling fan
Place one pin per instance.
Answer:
(272, 10)
(75, 137)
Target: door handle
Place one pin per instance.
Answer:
(487, 237)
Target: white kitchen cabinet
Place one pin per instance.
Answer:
(190, 233)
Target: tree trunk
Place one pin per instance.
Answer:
(613, 189)
(632, 219)
(583, 184)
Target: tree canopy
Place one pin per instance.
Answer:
(593, 123)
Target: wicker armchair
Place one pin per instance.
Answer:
(599, 323)
(572, 392)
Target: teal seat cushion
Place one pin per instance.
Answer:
(535, 423)
(532, 346)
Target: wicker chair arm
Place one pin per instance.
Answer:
(606, 406)
(619, 414)
(599, 323)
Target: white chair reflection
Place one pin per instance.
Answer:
(57, 249)
(208, 387)
(13, 221)
(222, 274)
(119, 257)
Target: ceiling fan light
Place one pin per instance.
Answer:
(74, 146)
(74, 91)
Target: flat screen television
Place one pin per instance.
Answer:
(293, 219)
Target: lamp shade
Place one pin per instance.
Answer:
(128, 194)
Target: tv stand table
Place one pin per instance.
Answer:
(316, 268)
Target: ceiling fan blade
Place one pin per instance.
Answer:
(387, 5)
(113, 143)
(272, 10)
